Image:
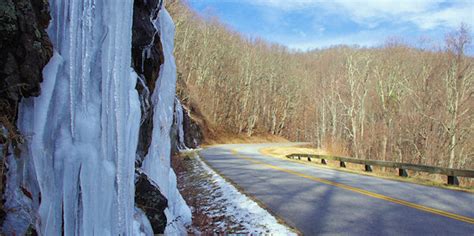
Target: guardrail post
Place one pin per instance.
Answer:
(402, 173)
(452, 174)
(453, 180)
(368, 168)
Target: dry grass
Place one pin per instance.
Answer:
(435, 180)
(189, 187)
(209, 216)
(226, 138)
(283, 151)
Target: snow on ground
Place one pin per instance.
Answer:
(229, 210)
(249, 213)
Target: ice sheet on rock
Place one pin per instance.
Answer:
(18, 221)
(141, 224)
(179, 118)
(144, 99)
(157, 162)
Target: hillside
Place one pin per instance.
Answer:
(392, 102)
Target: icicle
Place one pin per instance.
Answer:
(85, 40)
(72, 63)
(146, 52)
(179, 124)
(144, 99)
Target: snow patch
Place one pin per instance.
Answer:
(250, 215)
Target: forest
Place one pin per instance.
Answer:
(393, 102)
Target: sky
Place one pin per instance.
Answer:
(313, 24)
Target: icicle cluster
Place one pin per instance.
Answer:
(76, 172)
(83, 129)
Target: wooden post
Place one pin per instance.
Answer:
(452, 174)
(402, 173)
(368, 168)
(453, 180)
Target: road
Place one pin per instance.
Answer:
(321, 201)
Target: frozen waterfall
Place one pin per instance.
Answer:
(83, 129)
(81, 133)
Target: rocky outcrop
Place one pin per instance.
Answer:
(24, 50)
(147, 57)
(149, 198)
(186, 132)
(193, 135)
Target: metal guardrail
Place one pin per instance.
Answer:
(402, 167)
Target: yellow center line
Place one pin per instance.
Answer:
(361, 191)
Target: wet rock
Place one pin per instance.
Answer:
(149, 199)
(192, 131)
(147, 57)
(25, 49)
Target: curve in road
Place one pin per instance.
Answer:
(319, 201)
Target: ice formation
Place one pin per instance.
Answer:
(78, 162)
(157, 163)
(179, 118)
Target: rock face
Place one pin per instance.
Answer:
(153, 62)
(24, 50)
(185, 133)
(147, 57)
(56, 193)
(193, 135)
(149, 198)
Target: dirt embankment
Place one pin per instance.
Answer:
(198, 125)
(227, 138)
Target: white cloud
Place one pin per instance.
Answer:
(363, 38)
(426, 14)
(449, 17)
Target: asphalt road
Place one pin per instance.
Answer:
(321, 201)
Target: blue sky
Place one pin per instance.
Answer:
(308, 24)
